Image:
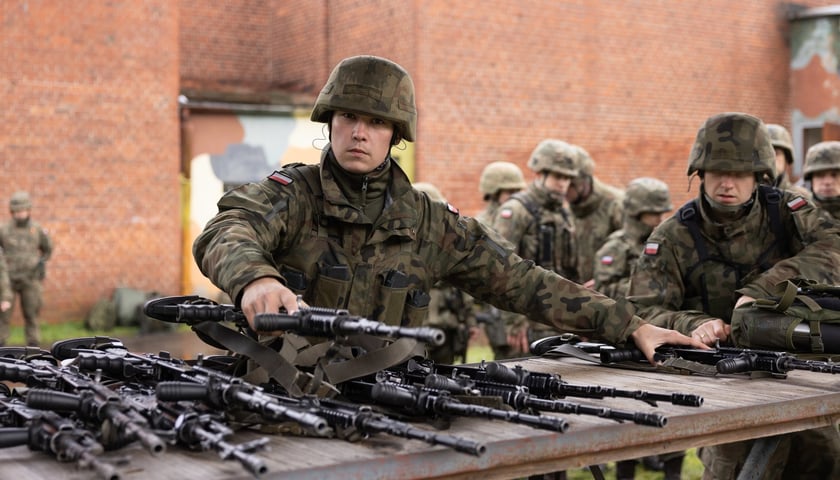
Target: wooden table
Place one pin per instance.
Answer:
(735, 408)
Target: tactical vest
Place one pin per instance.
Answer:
(554, 249)
(714, 266)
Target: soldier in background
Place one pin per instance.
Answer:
(647, 202)
(597, 212)
(535, 221)
(822, 170)
(449, 308)
(783, 146)
(351, 232)
(27, 248)
(733, 243)
(498, 181)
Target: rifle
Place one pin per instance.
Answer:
(53, 434)
(431, 402)
(727, 359)
(516, 395)
(346, 417)
(328, 322)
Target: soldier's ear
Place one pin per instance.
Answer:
(396, 138)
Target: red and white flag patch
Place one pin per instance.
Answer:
(607, 260)
(281, 178)
(452, 208)
(651, 248)
(797, 203)
(506, 213)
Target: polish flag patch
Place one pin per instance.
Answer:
(506, 213)
(651, 248)
(796, 204)
(607, 260)
(452, 208)
(281, 178)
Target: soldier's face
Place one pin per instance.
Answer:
(652, 219)
(360, 142)
(826, 184)
(729, 188)
(556, 183)
(781, 162)
(21, 215)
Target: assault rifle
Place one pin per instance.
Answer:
(428, 402)
(727, 359)
(308, 321)
(51, 433)
(515, 395)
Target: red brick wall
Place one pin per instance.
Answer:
(90, 127)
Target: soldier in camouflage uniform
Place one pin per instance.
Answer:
(822, 170)
(783, 146)
(498, 181)
(732, 244)
(538, 226)
(449, 308)
(597, 212)
(351, 233)
(647, 202)
(27, 248)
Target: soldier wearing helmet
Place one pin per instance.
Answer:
(597, 211)
(538, 225)
(745, 236)
(27, 247)
(822, 170)
(647, 201)
(783, 146)
(498, 182)
(351, 233)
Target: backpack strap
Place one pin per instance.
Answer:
(543, 254)
(687, 215)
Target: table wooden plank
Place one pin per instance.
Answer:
(735, 408)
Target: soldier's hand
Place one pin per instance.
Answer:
(518, 340)
(5, 305)
(267, 295)
(712, 331)
(648, 337)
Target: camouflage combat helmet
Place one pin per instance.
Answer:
(733, 142)
(647, 194)
(822, 156)
(554, 156)
(371, 86)
(585, 163)
(20, 201)
(498, 176)
(780, 138)
(429, 190)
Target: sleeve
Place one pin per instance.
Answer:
(815, 238)
(235, 246)
(5, 283)
(656, 286)
(611, 269)
(44, 244)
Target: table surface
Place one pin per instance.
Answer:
(736, 407)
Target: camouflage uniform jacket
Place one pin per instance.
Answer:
(615, 259)
(26, 248)
(830, 205)
(744, 257)
(783, 182)
(595, 217)
(299, 227)
(524, 219)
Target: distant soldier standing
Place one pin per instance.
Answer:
(498, 181)
(822, 169)
(27, 248)
(450, 309)
(783, 146)
(647, 202)
(597, 212)
(538, 225)
(732, 244)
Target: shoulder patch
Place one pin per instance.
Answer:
(281, 178)
(505, 213)
(796, 204)
(651, 248)
(607, 260)
(452, 208)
